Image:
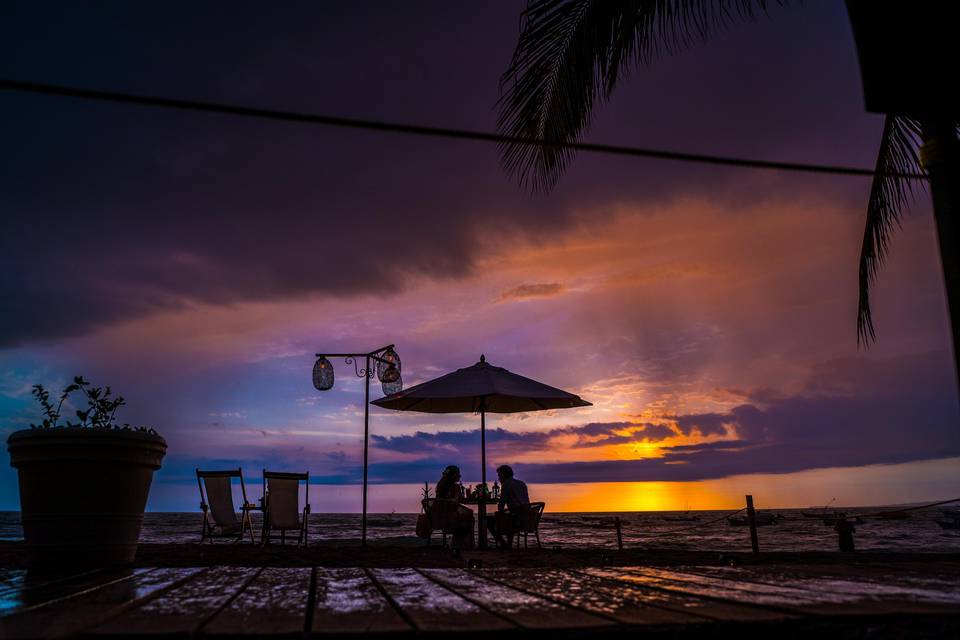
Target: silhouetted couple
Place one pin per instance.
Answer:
(513, 504)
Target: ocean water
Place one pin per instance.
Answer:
(652, 529)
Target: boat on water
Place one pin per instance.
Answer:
(763, 519)
(819, 512)
(681, 518)
(686, 516)
(386, 521)
(600, 521)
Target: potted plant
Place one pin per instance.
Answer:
(84, 483)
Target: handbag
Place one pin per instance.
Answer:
(423, 526)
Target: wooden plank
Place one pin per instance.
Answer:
(432, 607)
(783, 597)
(710, 605)
(348, 602)
(13, 581)
(779, 596)
(845, 591)
(523, 609)
(623, 603)
(184, 608)
(11, 578)
(935, 584)
(274, 604)
(38, 590)
(71, 615)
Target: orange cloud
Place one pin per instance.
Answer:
(525, 291)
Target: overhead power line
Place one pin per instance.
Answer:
(437, 132)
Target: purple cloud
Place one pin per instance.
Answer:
(706, 424)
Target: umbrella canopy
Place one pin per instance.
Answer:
(482, 387)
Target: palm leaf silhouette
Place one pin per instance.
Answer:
(889, 194)
(570, 56)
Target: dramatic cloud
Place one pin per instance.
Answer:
(705, 423)
(503, 442)
(524, 291)
(846, 422)
(118, 212)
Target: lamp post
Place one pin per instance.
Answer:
(386, 366)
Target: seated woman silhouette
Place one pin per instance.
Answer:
(449, 511)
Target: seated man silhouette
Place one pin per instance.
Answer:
(514, 499)
(457, 517)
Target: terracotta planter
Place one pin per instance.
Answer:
(83, 492)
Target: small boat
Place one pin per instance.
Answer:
(600, 521)
(686, 516)
(682, 518)
(386, 521)
(819, 512)
(762, 518)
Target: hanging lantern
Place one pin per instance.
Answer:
(322, 374)
(395, 386)
(388, 367)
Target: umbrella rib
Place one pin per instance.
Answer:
(538, 403)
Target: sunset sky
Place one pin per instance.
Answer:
(196, 262)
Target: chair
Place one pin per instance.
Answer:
(219, 516)
(443, 516)
(281, 500)
(526, 520)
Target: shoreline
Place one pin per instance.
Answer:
(390, 554)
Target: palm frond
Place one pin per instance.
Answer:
(889, 194)
(571, 54)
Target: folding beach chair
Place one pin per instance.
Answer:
(219, 515)
(281, 500)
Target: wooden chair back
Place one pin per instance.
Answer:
(527, 519)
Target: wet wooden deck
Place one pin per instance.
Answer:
(229, 601)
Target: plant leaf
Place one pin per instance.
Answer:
(889, 195)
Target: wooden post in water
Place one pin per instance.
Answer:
(616, 522)
(752, 521)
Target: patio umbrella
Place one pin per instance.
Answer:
(481, 388)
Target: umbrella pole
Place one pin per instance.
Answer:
(482, 521)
